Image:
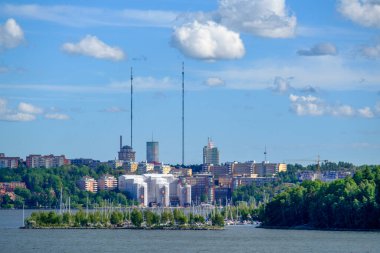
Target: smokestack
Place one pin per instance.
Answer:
(121, 142)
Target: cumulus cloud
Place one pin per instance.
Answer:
(208, 41)
(57, 116)
(25, 112)
(366, 112)
(92, 46)
(7, 114)
(314, 106)
(319, 50)
(11, 34)
(29, 108)
(363, 12)
(267, 18)
(214, 82)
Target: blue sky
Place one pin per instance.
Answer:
(299, 77)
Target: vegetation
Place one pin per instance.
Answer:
(44, 187)
(350, 203)
(111, 219)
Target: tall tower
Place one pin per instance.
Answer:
(210, 153)
(152, 152)
(183, 113)
(131, 108)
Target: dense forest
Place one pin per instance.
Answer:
(350, 203)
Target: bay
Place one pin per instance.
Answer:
(232, 239)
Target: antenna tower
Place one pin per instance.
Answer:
(183, 113)
(131, 107)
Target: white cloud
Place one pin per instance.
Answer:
(319, 50)
(92, 46)
(57, 116)
(214, 82)
(11, 34)
(267, 18)
(363, 12)
(208, 41)
(29, 108)
(25, 112)
(366, 112)
(314, 106)
(371, 51)
(281, 85)
(87, 17)
(7, 114)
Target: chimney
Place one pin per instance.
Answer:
(121, 142)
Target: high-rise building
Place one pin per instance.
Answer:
(126, 153)
(9, 162)
(210, 153)
(152, 154)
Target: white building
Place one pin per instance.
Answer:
(160, 189)
(135, 186)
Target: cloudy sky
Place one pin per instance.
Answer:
(299, 77)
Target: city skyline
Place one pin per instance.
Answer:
(300, 78)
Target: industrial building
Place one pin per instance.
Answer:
(156, 189)
(126, 153)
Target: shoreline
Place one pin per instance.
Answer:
(132, 228)
(320, 229)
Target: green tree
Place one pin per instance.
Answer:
(136, 217)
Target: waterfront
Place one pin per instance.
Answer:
(232, 239)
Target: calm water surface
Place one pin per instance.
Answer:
(232, 239)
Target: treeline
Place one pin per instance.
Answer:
(116, 218)
(44, 187)
(350, 203)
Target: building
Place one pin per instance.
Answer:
(89, 184)
(202, 188)
(11, 186)
(9, 162)
(136, 188)
(266, 169)
(181, 172)
(152, 152)
(130, 167)
(145, 167)
(84, 162)
(107, 182)
(156, 189)
(162, 168)
(210, 153)
(218, 170)
(46, 161)
(126, 153)
(258, 181)
(246, 169)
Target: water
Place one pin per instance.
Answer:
(232, 239)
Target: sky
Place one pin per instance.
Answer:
(301, 78)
